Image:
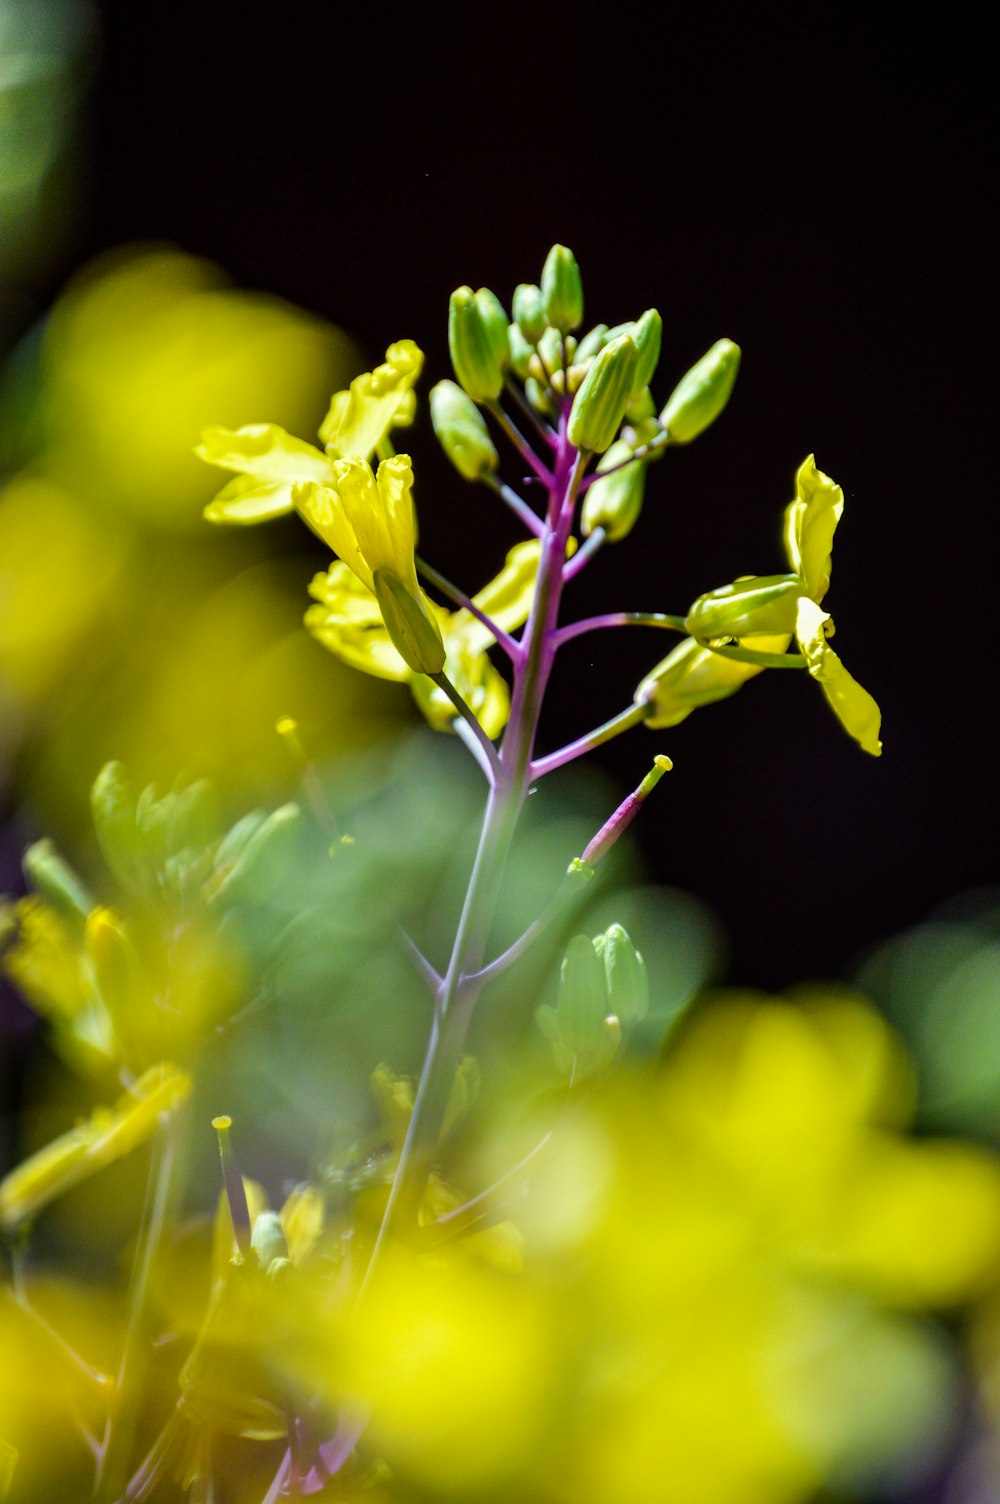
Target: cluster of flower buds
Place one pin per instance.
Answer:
(603, 990)
(598, 381)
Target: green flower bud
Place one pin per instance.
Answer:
(415, 634)
(477, 339)
(539, 397)
(759, 606)
(615, 502)
(562, 290)
(583, 997)
(647, 333)
(702, 393)
(51, 875)
(599, 405)
(520, 351)
(593, 342)
(641, 407)
(461, 431)
(529, 311)
(112, 805)
(550, 350)
(268, 1239)
(265, 857)
(625, 971)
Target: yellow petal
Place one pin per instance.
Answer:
(108, 1134)
(264, 451)
(246, 500)
(810, 523)
(360, 418)
(323, 508)
(361, 505)
(347, 621)
(399, 524)
(857, 711)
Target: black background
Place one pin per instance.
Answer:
(818, 190)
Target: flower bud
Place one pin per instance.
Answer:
(51, 875)
(583, 997)
(702, 393)
(415, 634)
(550, 351)
(477, 339)
(599, 405)
(625, 972)
(461, 431)
(615, 501)
(753, 607)
(265, 856)
(520, 351)
(562, 290)
(647, 333)
(539, 397)
(593, 342)
(529, 311)
(268, 1239)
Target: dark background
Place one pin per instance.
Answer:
(819, 192)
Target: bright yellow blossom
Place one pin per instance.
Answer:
(269, 462)
(778, 602)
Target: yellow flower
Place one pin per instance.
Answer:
(776, 602)
(369, 522)
(269, 462)
(347, 621)
(693, 675)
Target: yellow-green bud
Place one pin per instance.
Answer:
(599, 405)
(51, 875)
(477, 339)
(520, 351)
(268, 1239)
(625, 972)
(641, 406)
(702, 393)
(647, 333)
(538, 396)
(529, 311)
(757, 607)
(415, 634)
(461, 431)
(562, 290)
(593, 342)
(614, 502)
(550, 350)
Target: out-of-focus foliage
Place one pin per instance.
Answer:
(126, 629)
(46, 53)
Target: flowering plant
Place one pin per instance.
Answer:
(613, 1281)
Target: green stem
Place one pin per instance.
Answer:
(112, 1462)
(469, 717)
